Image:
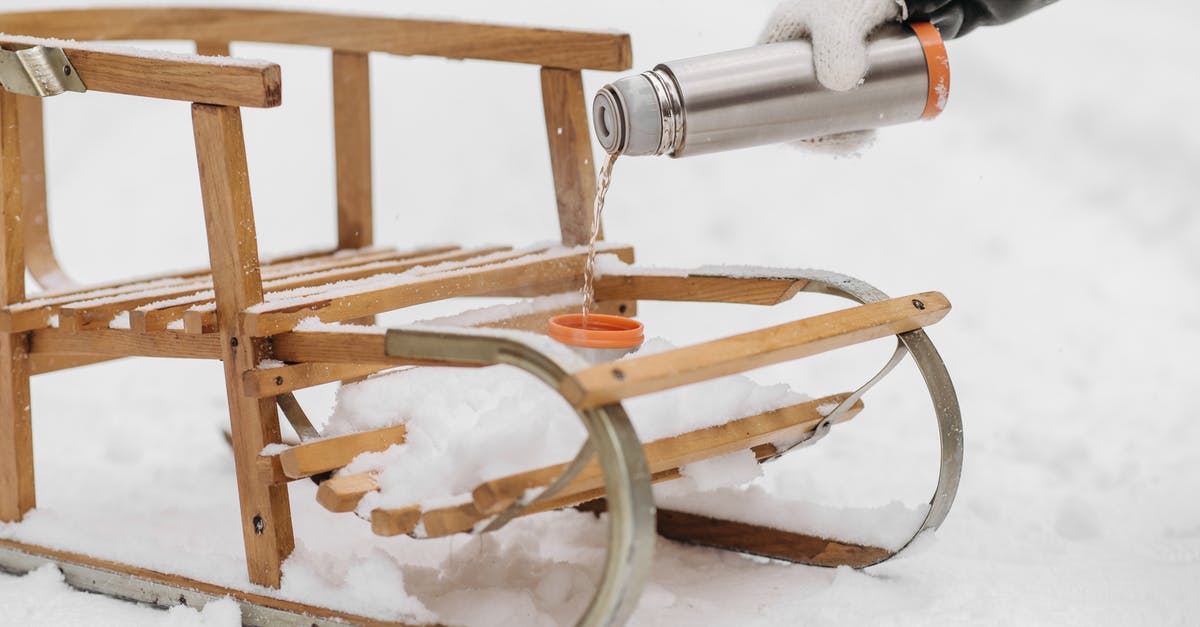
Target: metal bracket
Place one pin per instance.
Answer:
(38, 71)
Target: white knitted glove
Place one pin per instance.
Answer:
(838, 30)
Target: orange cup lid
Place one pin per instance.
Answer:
(938, 64)
(602, 331)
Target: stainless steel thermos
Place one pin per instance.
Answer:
(769, 94)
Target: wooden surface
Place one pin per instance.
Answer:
(699, 288)
(179, 581)
(745, 433)
(396, 521)
(262, 382)
(456, 40)
(154, 310)
(16, 429)
(239, 84)
(122, 343)
(765, 541)
(209, 48)
(233, 257)
(567, 127)
(313, 458)
(39, 253)
(201, 317)
(556, 270)
(352, 147)
(665, 457)
(342, 493)
(608, 383)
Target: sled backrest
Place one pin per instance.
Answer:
(561, 54)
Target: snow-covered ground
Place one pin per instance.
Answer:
(1054, 203)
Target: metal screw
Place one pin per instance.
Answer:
(67, 70)
(918, 304)
(618, 374)
(233, 342)
(623, 308)
(278, 380)
(259, 525)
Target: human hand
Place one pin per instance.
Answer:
(838, 31)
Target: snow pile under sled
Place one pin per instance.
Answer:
(466, 426)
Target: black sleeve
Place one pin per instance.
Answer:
(955, 18)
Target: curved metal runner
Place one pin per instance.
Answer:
(611, 437)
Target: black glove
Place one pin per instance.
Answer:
(955, 18)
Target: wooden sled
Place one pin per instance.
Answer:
(244, 310)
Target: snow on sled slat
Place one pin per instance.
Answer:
(123, 295)
(88, 315)
(342, 493)
(664, 456)
(201, 316)
(781, 424)
(609, 383)
(153, 315)
(318, 456)
(765, 541)
(539, 274)
(137, 284)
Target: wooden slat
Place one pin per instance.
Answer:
(609, 383)
(233, 256)
(202, 316)
(123, 343)
(16, 430)
(179, 77)
(458, 40)
(39, 252)
(342, 347)
(765, 541)
(282, 317)
(42, 363)
(665, 457)
(212, 48)
(262, 382)
(492, 496)
(699, 288)
(17, 320)
(154, 309)
(396, 522)
(352, 146)
(342, 493)
(316, 457)
(567, 124)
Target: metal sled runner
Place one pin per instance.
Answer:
(244, 310)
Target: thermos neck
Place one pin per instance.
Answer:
(640, 115)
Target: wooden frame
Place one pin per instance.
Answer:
(71, 328)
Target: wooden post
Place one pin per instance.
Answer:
(352, 143)
(212, 48)
(233, 252)
(16, 433)
(570, 152)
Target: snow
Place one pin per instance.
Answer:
(1054, 203)
(467, 426)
